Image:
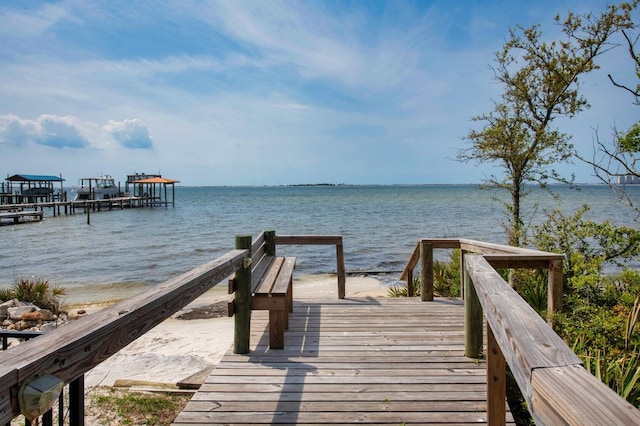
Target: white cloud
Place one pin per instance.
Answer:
(48, 130)
(130, 133)
(70, 132)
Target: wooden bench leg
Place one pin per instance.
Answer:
(288, 304)
(276, 329)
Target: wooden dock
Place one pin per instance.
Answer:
(20, 216)
(352, 361)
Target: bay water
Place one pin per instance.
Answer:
(123, 252)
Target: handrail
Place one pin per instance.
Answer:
(320, 240)
(499, 256)
(555, 385)
(70, 351)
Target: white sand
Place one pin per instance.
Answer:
(177, 349)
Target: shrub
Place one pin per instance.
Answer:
(39, 292)
(446, 279)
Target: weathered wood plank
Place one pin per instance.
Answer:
(283, 282)
(308, 240)
(558, 397)
(350, 361)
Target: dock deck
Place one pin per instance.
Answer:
(17, 216)
(352, 361)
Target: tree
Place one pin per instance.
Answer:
(617, 162)
(541, 83)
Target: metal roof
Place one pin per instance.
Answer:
(156, 180)
(34, 178)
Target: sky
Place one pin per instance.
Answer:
(268, 92)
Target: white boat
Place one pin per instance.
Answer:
(96, 188)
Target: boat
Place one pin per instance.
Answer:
(101, 187)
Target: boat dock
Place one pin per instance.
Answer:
(350, 361)
(23, 198)
(23, 212)
(21, 216)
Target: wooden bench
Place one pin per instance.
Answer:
(271, 286)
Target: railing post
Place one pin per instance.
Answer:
(340, 269)
(472, 319)
(269, 243)
(462, 272)
(496, 381)
(76, 402)
(554, 289)
(242, 308)
(426, 271)
(410, 283)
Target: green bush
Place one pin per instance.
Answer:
(446, 279)
(39, 292)
(600, 311)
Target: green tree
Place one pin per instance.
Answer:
(541, 83)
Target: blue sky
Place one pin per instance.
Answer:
(266, 92)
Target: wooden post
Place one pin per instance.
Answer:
(410, 283)
(496, 381)
(462, 269)
(554, 289)
(269, 243)
(76, 402)
(426, 271)
(341, 270)
(472, 319)
(242, 308)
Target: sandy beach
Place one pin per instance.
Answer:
(179, 348)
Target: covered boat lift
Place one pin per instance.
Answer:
(31, 188)
(152, 188)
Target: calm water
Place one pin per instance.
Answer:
(125, 251)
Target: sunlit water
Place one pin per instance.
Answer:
(124, 251)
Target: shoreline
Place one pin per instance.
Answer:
(182, 350)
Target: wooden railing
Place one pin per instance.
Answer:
(499, 256)
(554, 383)
(331, 240)
(70, 351)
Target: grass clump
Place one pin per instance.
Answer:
(111, 406)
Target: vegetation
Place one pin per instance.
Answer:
(540, 83)
(600, 310)
(39, 292)
(116, 406)
(446, 279)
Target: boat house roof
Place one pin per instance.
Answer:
(157, 180)
(34, 178)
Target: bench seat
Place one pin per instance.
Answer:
(272, 290)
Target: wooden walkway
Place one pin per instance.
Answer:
(351, 361)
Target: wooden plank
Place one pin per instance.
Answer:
(259, 269)
(350, 361)
(558, 397)
(308, 240)
(266, 282)
(283, 281)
